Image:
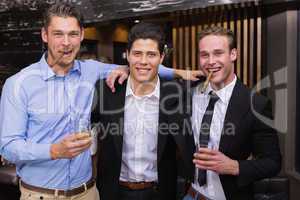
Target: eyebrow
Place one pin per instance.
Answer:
(214, 50)
(150, 51)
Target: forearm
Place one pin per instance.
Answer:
(253, 170)
(20, 151)
(102, 69)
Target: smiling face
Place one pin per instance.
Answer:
(63, 36)
(216, 56)
(144, 58)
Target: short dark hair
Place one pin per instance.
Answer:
(62, 10)
(219, 31)
(147, 31)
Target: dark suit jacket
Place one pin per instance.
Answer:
(110, 125)
(249, 136)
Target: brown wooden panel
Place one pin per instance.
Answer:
(218, 15)
(175, 48)
(224, 16)
(258, 49)
(194, 46)
(180, 47)
(243, 19)
(187, 47)
(231, 18)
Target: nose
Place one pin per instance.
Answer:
(211, 60)
(143, 59)
(66, 40)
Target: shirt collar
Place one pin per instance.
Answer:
(225, 93)
(155, 93)
(48, 73)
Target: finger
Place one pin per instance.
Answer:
(207, 151)
(83, 142)
(78, 144)
(70, 138)
(75, 137)
(108, 81)
(194, 78)
(122, 78)
(198, 73)
(204, 156)
(79, 149)
(82, 135)
(206, 163)
(111, 80)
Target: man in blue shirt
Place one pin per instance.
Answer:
(42, 108)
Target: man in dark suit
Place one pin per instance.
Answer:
(141, 126)
(236, 147)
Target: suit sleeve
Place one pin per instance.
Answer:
(266, 161)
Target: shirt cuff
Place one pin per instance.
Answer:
(165, 72)
(42, 151)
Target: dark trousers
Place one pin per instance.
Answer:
(143, 194)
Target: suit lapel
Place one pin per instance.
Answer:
(167, 104)
(117, 102)
(237, 107)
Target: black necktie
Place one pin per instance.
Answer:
(204, 132)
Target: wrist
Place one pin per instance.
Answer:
(54, 153)
(178, 73)
(236, 168)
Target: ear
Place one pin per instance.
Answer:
(233, 54)
(44, 35)
(82, 34)
(162, 57)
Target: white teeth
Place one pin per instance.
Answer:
(214, 69)
(143, 70)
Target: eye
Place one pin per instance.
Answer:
(204, 55)
(74, 34)
(137, 53)
(219, 53)
(152, 54)
(58, 34)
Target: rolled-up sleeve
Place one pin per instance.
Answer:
(165, 72)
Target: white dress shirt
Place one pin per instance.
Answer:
(213, 189)
(139, 153)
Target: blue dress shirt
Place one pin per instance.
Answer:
(39, 108)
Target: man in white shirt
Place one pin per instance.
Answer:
(141, 126)
(233, 132)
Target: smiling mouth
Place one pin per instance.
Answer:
(214, 70)
(143, 70)
(65, 52)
